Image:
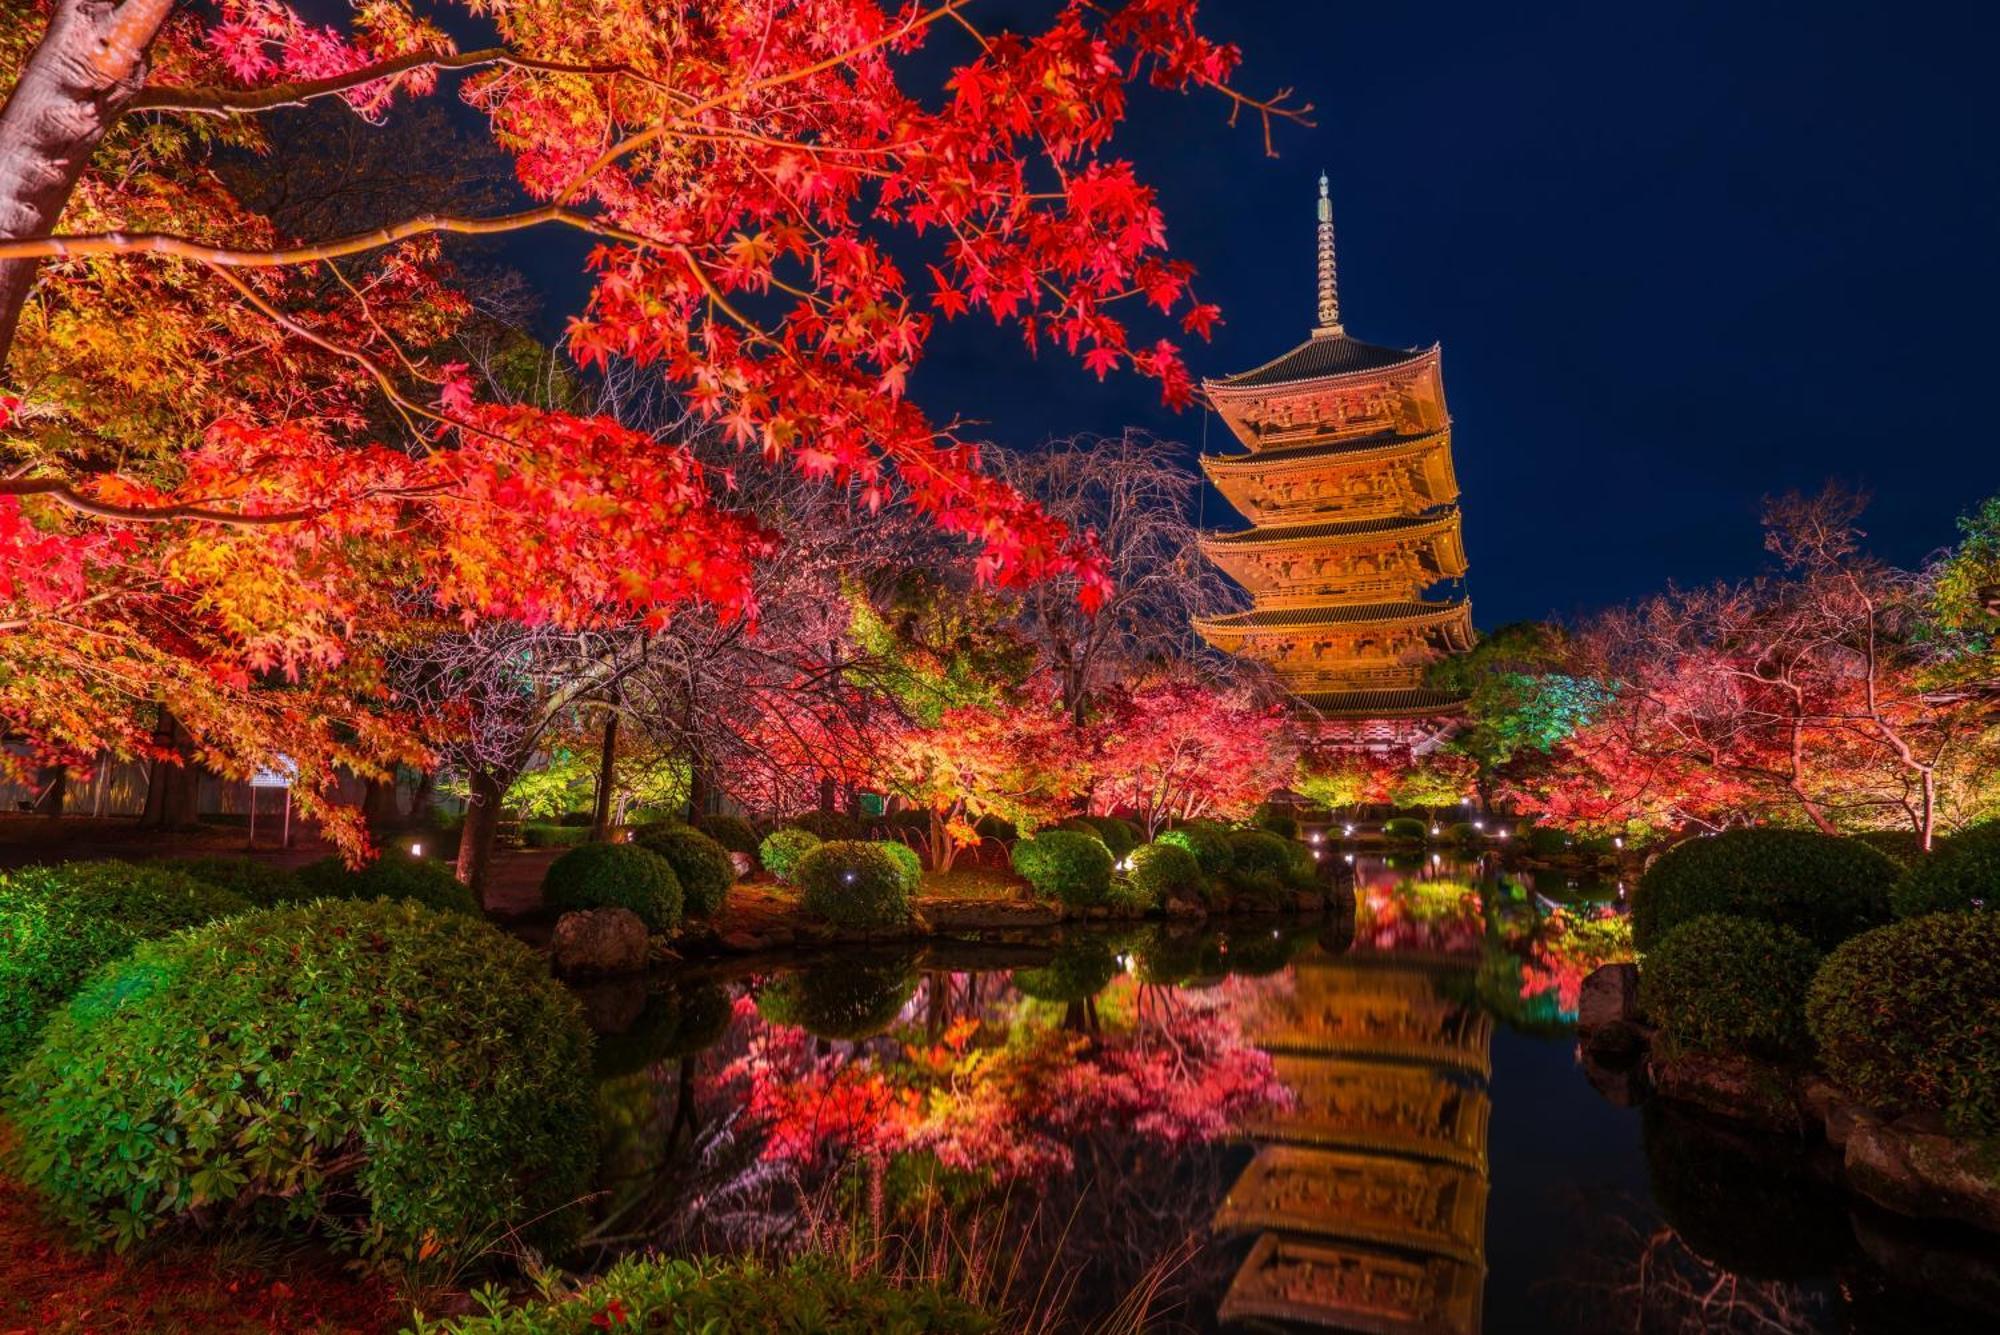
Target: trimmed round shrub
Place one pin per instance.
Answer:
(1961, 873)
(782, 850)
(1068, 866)
(615, 876)
(1909, 1014)
(390, 876)
(1821, 886)
(849, 1000)
(735, 834)
(711, 1294)
(256, 882)
(1163, 871)
(60, 924)
(1208, 843)
(1465, 832)
(1278, 820)
(851, 883)
(1404, 828)
(827, 824)
(406, 1079)
(1079, 971)
(1258, 851)
(907, 862)
(1902, 846)
(1120, 836)
(700, 864)
(1727, 984)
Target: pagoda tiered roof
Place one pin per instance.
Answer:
(1313, 452)
(1338, 531)
(1410, 702)
(1327, 354)
(1413, 613)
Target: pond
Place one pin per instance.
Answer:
(1370, 1122)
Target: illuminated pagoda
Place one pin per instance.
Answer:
(1349, 488)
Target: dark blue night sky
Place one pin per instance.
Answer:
(1680, 256)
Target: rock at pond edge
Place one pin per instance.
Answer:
(599, 941)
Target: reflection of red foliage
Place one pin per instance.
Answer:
(1438, 917)
(983, 1101)
(1569, 949)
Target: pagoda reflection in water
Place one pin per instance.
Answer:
(1369, 1192)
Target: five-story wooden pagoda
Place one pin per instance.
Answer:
(1349, 488)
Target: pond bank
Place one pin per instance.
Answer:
(1909, 1165)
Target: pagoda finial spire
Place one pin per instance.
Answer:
(1329, 282)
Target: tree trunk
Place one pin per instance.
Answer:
(829, 791)
(475, 841)
(698, 787)
(607, 774)
(171, 785)
(52, 785)
(88, 65)
(378, 804)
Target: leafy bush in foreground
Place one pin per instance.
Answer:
(409, 1080)
(1961, 873)
(851, 883)
(615, 876)
(700, 864)
(1162, 871)
(810, 1294)
(1068, 866)
(1909, 1015)
(1727, 984)
(390, 876)
(1208, 843)
(59, 924)
(1821, 886)
(733, 832)
(783, 850)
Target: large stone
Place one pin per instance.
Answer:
(598, 941)
(1911, 1167)
(1609, 996)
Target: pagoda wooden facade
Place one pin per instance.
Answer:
(1349, 488)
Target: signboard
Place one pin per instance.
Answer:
(282, 774)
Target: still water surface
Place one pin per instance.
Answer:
(1371, 1123)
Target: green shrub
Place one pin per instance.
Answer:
(1163, 871)
(1257, 853)
(405, 1078)
(827, 824)
(1277, 820)
(1208, 843)
(700, 864)
(907, 862)
(59, 924)
(783, 850)
(615, 876)
(1120, 836)
(812, 1293)
(1961, 873)
(1909, 1014)
(1404, 828)
(390, 876)
(848, 1000)
(1901, 846)
(733, 832)
(541, 835)
(1728, 984)
(1823, 887)
(1464, 832)
(1068, 866)
(851, 883)
(1079, 971)
(258, 883)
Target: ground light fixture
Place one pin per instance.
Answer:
(416, 850)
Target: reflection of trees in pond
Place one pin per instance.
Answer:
(1079, 971)
(1568, 947)
(846, 999)
(1415, 914)
(1261, 949)
(676, 1021)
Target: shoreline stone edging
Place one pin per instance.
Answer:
(1907, 1164)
